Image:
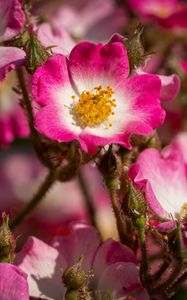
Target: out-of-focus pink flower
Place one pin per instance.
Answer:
(58, 38)
(113, 264)
(93, 20)
(90, 99)
(13, 283)
(162, 177)
(13, 121)
(170, 14)
(12, 19)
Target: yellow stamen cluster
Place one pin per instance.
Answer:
(94, 107)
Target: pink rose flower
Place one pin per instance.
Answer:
(13, 283)
(113, 264)
(162, 177)
(12, 19)
(90, 98)
(170, 14)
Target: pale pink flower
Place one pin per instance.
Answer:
(113, 264)
(90, 98)
(162, 178)
(12, 19)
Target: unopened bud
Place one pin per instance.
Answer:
(7, 242)
(136, 203)
(74, 277)
(36, 54)
(135, 49)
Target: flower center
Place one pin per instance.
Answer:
(94, 107)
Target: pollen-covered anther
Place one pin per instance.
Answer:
(95, 106)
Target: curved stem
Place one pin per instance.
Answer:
(26, 100)
(88, 199)
(116, 205)
(43, 189)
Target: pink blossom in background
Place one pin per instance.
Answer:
(94, 20)
(57, 37)
(113, 264)
(13, 283)
(12, 19)
(13, 121)
(126, 105)
(170, 14)
(162, 177)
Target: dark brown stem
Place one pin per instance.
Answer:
(26, 99)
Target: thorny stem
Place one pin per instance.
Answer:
(144, 270)
(43, 189)
(35, 136)
(88, 199)
(111, 184)
(181, 278)
(26, 100)
(161, 271)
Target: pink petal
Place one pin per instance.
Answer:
(12, 19)
(81, 240)
(52, 75)
(44, 265)
(13, 283)
(120, 279)
(163, 179)
(60, 128)
(91, 63)
(170, 87)
(10, 58)
(111, 252)
(144, 92)
(57, 37)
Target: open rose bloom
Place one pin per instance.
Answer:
(89, 97)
